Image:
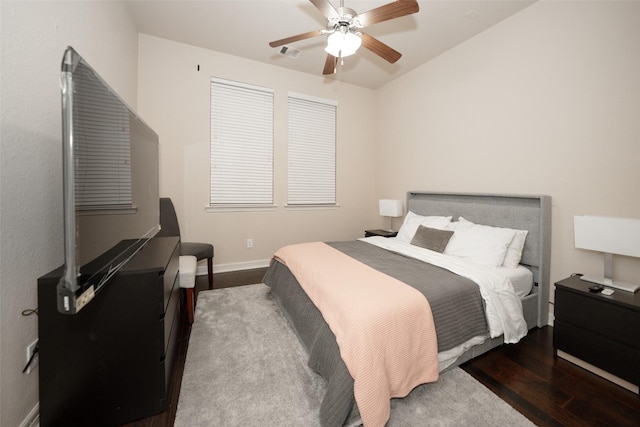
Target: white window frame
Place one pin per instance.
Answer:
(312, 151)
(241, 161)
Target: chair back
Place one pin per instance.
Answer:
(168, 219)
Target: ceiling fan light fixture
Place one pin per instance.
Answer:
(343, 26)
(341, 44)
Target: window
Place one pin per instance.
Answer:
(312, 151)
(241, 144)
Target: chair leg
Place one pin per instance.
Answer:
(190, 304)
(210, 271)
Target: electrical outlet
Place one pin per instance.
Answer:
(249, 243)
(30, 349)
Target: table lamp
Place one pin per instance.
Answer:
(620, 236)
(390, 208)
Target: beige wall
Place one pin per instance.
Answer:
(174, 99)
(34, 37)
(547, 102)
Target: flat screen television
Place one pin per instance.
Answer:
(110, 172)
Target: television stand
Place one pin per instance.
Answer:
(111, 363)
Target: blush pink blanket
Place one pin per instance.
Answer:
(383, 327)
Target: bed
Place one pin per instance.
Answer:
(459, 339)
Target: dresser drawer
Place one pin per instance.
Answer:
(594, 313)
(170, 278)
(171, 337)
(170, 315)
(598, 350)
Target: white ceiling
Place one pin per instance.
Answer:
(245, 27)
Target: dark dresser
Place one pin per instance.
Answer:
(602, 330)
(111, 362)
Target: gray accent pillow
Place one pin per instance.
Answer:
(431, 238)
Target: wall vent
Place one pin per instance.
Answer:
(472, 14)
(289, 51)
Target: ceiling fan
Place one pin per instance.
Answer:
(343, 25)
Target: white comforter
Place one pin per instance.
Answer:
(503, 307)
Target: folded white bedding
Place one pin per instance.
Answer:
(521, 279)
(503, 306)
(448, 357)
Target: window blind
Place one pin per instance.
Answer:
(311, 151)
(241, 144)
(102, 144)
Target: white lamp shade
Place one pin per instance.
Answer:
(392, 208)
(610, 235)
(341, 44)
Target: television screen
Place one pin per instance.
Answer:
(111, 196)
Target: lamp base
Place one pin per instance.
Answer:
(628, 287)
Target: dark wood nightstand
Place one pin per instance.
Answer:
(383, 233)
(602, 330)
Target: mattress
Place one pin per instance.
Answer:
(521, 278)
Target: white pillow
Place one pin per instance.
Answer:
(412, 221)
(460, 225)
(514, 251)
(479, 243)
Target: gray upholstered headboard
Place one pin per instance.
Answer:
(521, 212)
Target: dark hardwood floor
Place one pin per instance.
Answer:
(552, 391)
(549, 391)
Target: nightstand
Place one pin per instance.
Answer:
(601, 330)
(383, 233)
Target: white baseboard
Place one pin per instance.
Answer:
(33, 418)
(235, 266)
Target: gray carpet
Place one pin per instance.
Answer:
(245, 367)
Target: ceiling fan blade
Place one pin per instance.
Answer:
(379, 48)
(326, 8)
(296, 38)
(388, 11)
(330, 65)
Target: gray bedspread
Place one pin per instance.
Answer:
(456, 304)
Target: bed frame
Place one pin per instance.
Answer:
(532, 213)
(521, 212)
